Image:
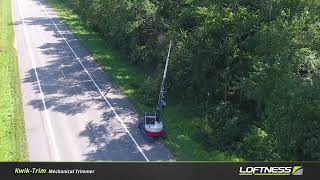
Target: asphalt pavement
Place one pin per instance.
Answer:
(72, 110)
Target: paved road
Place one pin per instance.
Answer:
(67, 116)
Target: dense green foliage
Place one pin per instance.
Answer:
(249, 68)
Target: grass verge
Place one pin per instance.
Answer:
(179, 125)
(12, 136)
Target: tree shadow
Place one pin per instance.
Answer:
(109, 143)
(69, 90)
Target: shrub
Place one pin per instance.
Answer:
(222, 126)
(258, 145)
(149, 91)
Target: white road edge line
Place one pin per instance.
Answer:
(48, 121)
(116, 114)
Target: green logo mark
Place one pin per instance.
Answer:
(297, 170)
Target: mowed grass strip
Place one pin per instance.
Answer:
(12, 136)
(179, 124)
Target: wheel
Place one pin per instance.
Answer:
(163, 134)
(140, 126)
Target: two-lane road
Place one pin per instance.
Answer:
(72, 111)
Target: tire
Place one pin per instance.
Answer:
(164, 134)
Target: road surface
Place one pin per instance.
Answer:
(72, 111)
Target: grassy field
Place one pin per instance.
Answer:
(12, 137)
(179, 124)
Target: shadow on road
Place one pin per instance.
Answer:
(69, 90)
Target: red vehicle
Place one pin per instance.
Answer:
(153, 126)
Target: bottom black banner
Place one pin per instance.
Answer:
(160, 170)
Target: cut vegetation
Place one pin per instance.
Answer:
(12, 137)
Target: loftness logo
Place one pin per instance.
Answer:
(271, 171)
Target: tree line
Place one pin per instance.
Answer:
(249, 68)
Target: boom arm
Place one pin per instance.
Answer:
(161, 94)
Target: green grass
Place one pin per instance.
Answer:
(179, 126)
(12, 137)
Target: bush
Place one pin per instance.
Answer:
(258, 145)
(149, 91)
(222, 126)
(310, 145)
